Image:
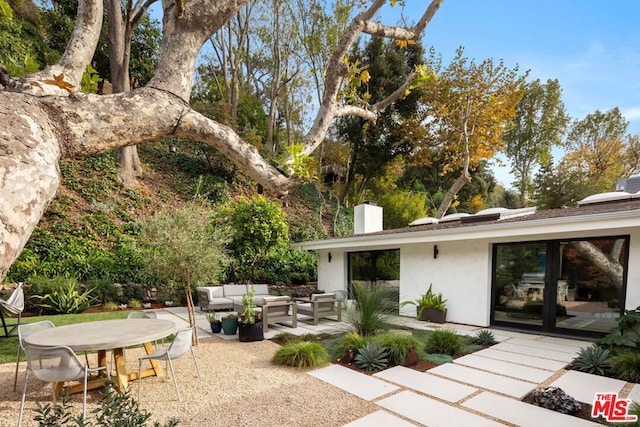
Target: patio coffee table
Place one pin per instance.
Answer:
(106, 335)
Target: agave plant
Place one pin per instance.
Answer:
(594, 360)
(484, 337)
(372, 357)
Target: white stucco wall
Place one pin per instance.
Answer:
(461, 272)
(332, 276)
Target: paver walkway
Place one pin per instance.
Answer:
(480, 389)
(483, 388)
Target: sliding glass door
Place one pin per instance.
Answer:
(572, 286)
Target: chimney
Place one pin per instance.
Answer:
(367, 218)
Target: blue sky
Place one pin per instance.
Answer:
(591, 46)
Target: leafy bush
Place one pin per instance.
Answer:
(626, 366)
(104, 290)
(443, 341)
(133, 291)
(116, 409)
(593, 359)
(556, 399)
(396, 345)
(372, 304)
(372, 357)
(309, 337)
(349, 341)
(301, 354)
(286, 337)
(66, 297)
(484, 337)
(627, 334)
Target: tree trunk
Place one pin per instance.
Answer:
(130, 166)
(608, 264)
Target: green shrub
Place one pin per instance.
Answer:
(349, 341)
(309, 337)
(115, 409)
(286, 337)
(133, 291)
(396, 345)
(593, 359)
(65, 297)
(104, 290)
(443, 341)
(301, 354)
(484, 337)
(372, 304)
(372, 357)
(111, 306)
(626, 366)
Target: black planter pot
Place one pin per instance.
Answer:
(248, 332)
(433, 315)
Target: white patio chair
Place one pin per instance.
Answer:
(57, 364)
(180, 345)
(146, 315)
(12, 307)
(142, 315)
(25, 330)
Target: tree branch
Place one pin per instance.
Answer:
(74, 60)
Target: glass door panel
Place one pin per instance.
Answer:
(519, 287)
(590, 283)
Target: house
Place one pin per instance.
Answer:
(567, 271)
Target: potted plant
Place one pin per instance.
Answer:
(430, 306)
(230, 324)
(250, 328)
(214, 322)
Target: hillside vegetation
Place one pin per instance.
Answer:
(92, 230)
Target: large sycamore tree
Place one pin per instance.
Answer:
(45, 118)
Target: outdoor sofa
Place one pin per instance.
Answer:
(228, 297)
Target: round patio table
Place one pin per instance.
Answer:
(106, 335)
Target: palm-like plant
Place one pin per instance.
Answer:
(372, 304)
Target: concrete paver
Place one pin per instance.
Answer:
(534, 355)
(634, 394)
(380, 418)
(431, 413)
(485, 380)
(361, 385)
(513, 370)
(520, 413)
(561, 356)
(522, 359)
(432, 385)
(566, 347)
(583, 386)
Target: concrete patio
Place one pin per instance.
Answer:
(480, 389)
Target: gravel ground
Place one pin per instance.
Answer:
(239, 387)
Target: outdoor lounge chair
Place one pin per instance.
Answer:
(12, 307)
(278, 309)
(57, 364)
(180, 345)
(320, 306)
